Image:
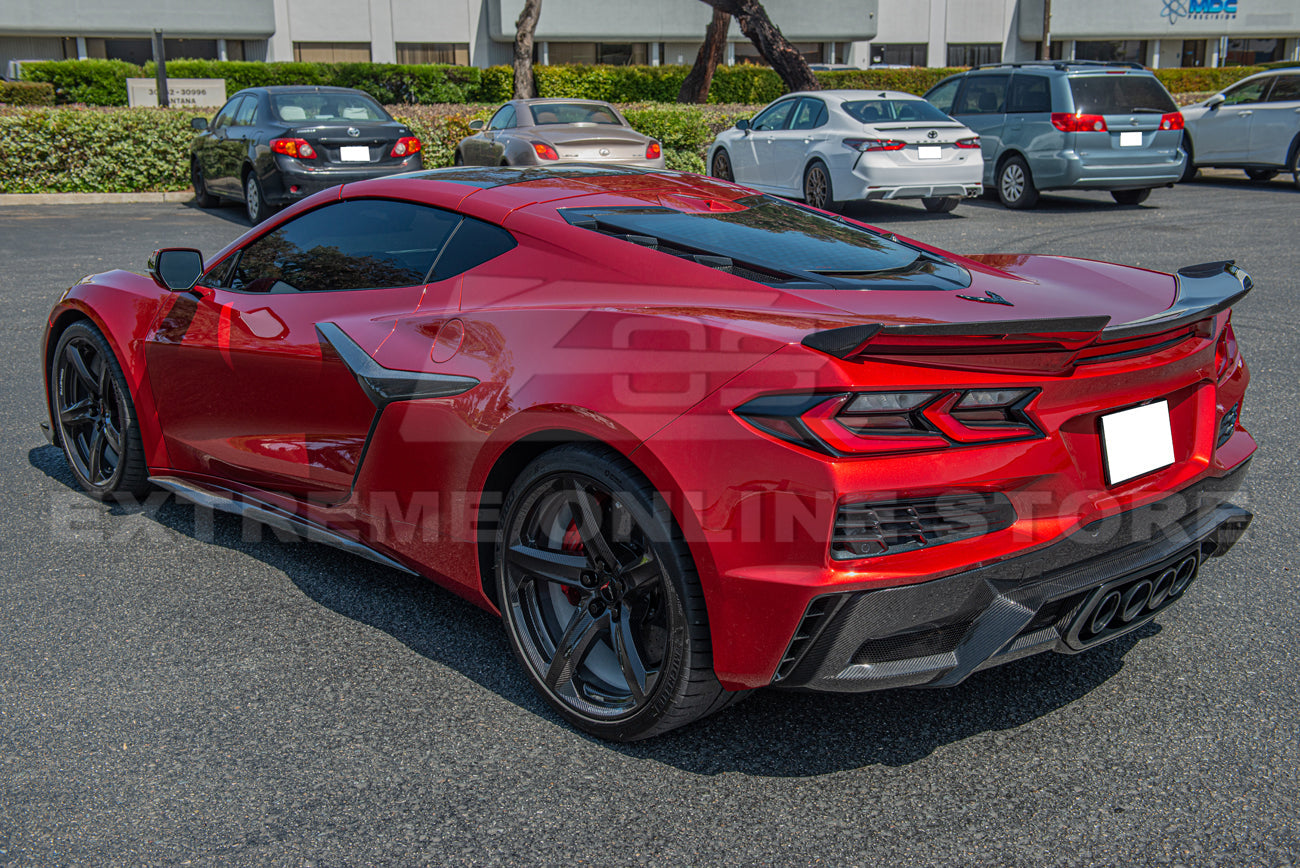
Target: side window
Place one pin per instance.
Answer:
(810, 115)
(1285, 89)
(1250, 91)
(473, 243)
(226, 116)
(982, 95)
(774, 118)
(505, 117)
(358, 244)
(943, 94)
(1030, 93)
(247, 115)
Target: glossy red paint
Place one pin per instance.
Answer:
(574, 335)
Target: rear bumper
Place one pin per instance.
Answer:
(293, 180)
(937, 633)
(1073, 171)
(873, 177)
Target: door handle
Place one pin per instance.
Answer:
(1244, 114)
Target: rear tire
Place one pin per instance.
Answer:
(1261, 176)
(202, 197)
(254, 202)
(600, 598)
(458, 160)
(95, 417)
(941, 204)
(1130, 197)
(1295, 164)
(1016, 185)
(818, 191)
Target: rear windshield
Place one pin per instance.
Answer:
(572, 113)
(876, 111)
(324, 107)
(1120, 95)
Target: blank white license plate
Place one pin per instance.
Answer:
(1130, 140)
(354, 154)
(1136, 441)
(929, 152)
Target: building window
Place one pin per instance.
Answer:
(590, 53)
(974, 53)
(1194, 52)
(898, 54)
(1127, 51)
(456, 53)
(813, 52)
(1252, 52)
(331, 52)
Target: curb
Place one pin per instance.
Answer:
(93, 198)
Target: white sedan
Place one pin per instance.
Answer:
(836, 146)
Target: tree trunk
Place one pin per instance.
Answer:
(771, 44)
(696, 86)
(525, 27)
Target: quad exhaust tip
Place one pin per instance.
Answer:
(1120, 606)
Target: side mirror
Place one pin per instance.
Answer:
(476, 125)
(199, 124)
(1215, 101)
(742, 124)
(176, 268)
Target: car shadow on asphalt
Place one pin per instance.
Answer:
(769, 733)
(230, 212)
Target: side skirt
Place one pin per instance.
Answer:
(221, 499)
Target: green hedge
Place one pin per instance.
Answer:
(94, 151)
(26, 93)
(103, 82)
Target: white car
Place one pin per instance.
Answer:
(1253, 125)
(837, 146)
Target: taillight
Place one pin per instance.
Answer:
(969, 143)
(874, 145)
(652, 151)
(1171, 121)
(545, 151)
(298, 148)
(406, 146)
(1078, 123)
(858, 423)
(1225, 353)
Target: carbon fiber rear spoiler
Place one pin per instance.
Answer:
(1203, 290)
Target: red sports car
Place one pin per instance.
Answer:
(688, 440)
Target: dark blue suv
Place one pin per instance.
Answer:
(1073, 125)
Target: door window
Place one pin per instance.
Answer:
(247, 115)
(226, 116)
(358, 244)
(983, 95)
(1285, 89)
(503, 119)
(942, 96)
(1030, 93)
(1246, 92)
(810, 115)
(774, 118)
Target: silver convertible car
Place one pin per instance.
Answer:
(835, 146)
(538, 132)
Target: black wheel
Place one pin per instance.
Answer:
(1015, 185)
(202, 197)
(721, 167)
(1262, 175)
(458, 160)
(254, 202)
(817, 189)
(94, 414)
(1294, 168)
(1189, 171)
(941, 204)
(600, 597)
(1130, 197)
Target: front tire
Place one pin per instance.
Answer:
(1016, 185)
(1261, 176)
(202, 197)
(941, 204)
(818, 191)
(95, 416)
(1189, 171)
(1294, 168)
(721, 167)
(600, 597)
(1130, 197)
(254, 201)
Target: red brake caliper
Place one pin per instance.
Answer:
(572, 543)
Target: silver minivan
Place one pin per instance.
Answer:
(1073, 125)
(1253, 125)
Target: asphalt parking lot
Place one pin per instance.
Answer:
(177, 688)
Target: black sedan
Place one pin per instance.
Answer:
(270, 146)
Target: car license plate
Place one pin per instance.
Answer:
(354, 154)
(1136, 441)
(929, 152)
(1130, 140)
